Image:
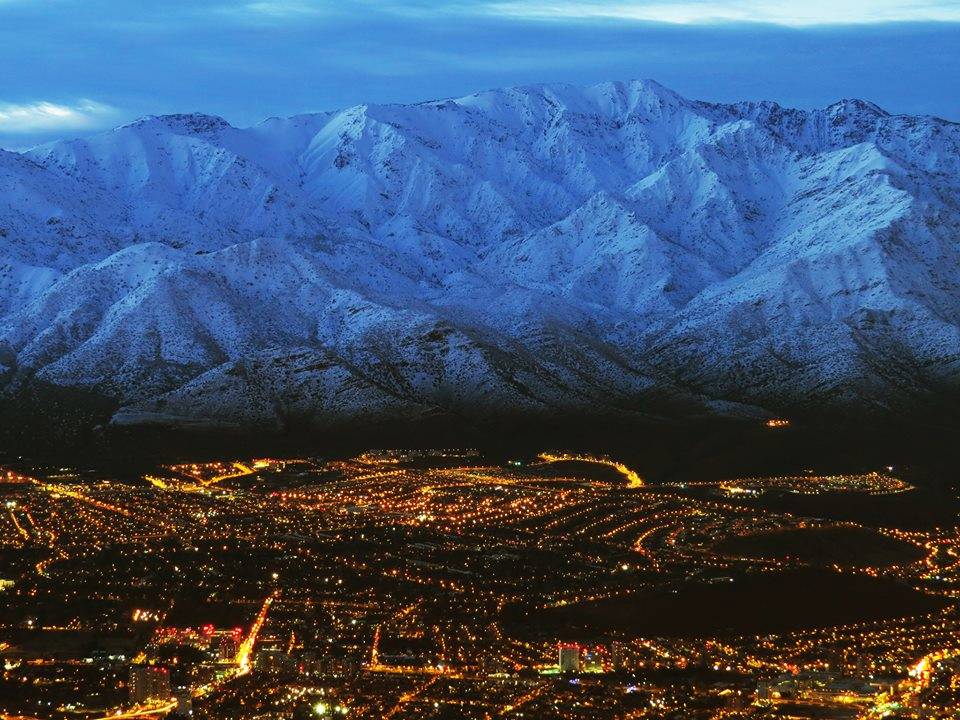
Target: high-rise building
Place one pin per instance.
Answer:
(763, 690)
(149, 682)
(569, 659)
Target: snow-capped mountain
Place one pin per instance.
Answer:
(542, 249)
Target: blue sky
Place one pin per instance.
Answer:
(71, 67)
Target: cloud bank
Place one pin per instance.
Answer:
(43, 116)
(777, 12)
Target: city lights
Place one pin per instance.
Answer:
(435, 584)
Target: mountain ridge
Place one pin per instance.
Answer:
(544, 249)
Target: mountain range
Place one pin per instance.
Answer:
(545, 250)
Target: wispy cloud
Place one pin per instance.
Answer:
(796, 13)
(43, 116)
(779, 12)
(283, 8)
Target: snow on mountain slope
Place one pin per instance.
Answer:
(47, 226)
(542, 249)
(181, 182)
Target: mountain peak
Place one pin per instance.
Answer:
(850, 106)
(185, 123)
(625, 95)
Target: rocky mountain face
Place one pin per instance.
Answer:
(614, 249)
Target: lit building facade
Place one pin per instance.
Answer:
(569, 658)
(149, 682)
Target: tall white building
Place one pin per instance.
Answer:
(569, 660)
(149, 682)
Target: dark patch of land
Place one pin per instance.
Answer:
(67, 644)
(578, 470)
(14, 563)
(193, 612)
(844, 546)
(923, 508)
(754, 603)
(291, 478)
